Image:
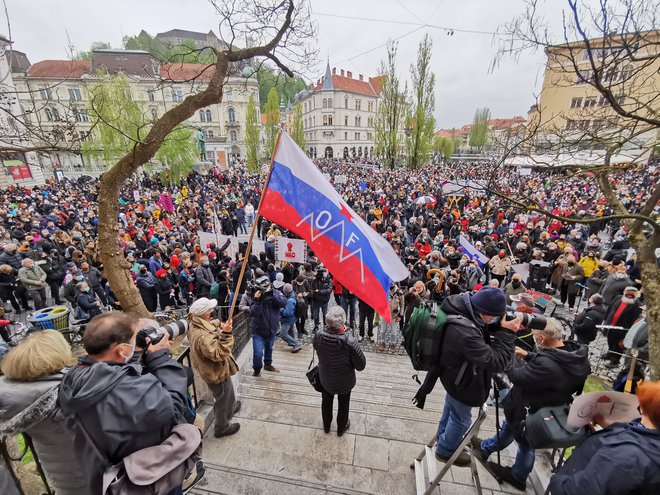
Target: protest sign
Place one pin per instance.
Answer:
(291, 250)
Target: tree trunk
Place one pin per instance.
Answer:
(650, 273)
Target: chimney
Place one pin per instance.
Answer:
(361, 77)
(334, 71)
(342, 73)
(349, 74)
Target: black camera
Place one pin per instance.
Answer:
(155, 334)
(261, 284)
(536, 322)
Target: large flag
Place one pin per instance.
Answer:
(472, 252)
(300, 199)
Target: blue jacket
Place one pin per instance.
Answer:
(154, 265)
(265, 313)
(288, 312)
(619, 460)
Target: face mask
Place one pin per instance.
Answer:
(143, 272)
(206, 263)
(86, 290)
(128, 358)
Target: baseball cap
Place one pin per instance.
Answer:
(202, 306)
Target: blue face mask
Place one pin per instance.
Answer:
(206, 263)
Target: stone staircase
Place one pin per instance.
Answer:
(282, 448)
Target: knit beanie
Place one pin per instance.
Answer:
(489, 301)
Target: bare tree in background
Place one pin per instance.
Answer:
(281, 32)
(613, 50)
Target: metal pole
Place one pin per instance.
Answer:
(246, 256)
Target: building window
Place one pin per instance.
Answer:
(205, 116)
(314, 120)
(74, 94)
(325, 118)
(329, 102)
(358, 104)
(346, 136)
(576, 102)
(329, 119)
(346, 102)
(229, 95)
(626, 73)
(621, 100)
(49, 114)
(177, 95)
(83, 135)
(154, 113)
(231, 115)
(590, 102)
(80, 115)
(346, 120)
(583, 77)
(233, 136)
(151, 95)
(46, 94)
(208, 133)
(56, 115)
(370, 106)
(357, 136)
(325, 103)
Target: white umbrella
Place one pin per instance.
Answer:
(424, 200)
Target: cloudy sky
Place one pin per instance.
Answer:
(460, 61)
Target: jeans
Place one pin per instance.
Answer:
(286, 329)
(350, 306)
(388, 333)
(455, 421)
(316, 307)
(262, 350)
(342, 412)
(524, 462)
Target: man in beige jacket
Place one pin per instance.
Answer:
(211, 345)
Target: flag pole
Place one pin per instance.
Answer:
(246, 256)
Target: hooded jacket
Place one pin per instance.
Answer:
(339, 357)
(30, 407)
(469, 355)
(265, 313)
(585, 323)
(123, 407)
(549, 378)
(211, 350)
(623, 459)
(614, 286)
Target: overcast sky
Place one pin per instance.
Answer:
(460, 62)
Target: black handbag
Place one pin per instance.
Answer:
(547, 429)
(313, 374)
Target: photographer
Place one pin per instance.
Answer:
(119, 406)
(467, 361)
(548, 377)
(211, 346)
(264, 308)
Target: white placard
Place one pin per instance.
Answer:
(136, 195)
(612, 406)
(206, 238)
(232, 249)
(258, 246)
(327, 176)
(291, 250)
(525, 171)
(340, 179)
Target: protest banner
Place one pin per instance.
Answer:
(291, 250)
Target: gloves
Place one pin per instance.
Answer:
(420, 397)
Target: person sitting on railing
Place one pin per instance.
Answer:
(28, 393)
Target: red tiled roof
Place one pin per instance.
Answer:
(351, 85)
(186, 72)
(506, 123)
(377, 83)
(60, 68)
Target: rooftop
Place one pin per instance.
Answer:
(186, 72)
(68, 69)
(185, 34)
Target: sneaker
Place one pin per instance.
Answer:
(256, 372)
(506, 475)
(462, 460)
(233, 428)
(381, 347)
(393, 349)
(194, 477)
(343, 430)
(296, 349)
(478, 452)
(237, 407)
(271, 368)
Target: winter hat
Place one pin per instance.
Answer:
(287, 289)
(160, 273)
(489, 301)
(279, 281)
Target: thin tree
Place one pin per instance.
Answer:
(252, 137)
(282, 30)
(297, 129)
(479, 129)
(391, 109)
(272, 111)
(422, 105)
(613, 50)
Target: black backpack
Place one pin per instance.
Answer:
(423, 336)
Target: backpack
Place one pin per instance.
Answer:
(423, 336)
(214, 292)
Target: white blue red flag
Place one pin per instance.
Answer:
(301, 200)
(472, 252)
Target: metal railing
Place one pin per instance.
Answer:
(8, 461)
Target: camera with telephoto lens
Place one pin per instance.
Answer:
(536, 322)
(155, 334)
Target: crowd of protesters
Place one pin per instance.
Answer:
(48, 238)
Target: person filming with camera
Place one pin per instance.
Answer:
(211, 346)
(469, 357)
(118, 406)
(265, 304)
(548, 377)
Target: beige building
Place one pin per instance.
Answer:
(54, 95)
(502, 135)
(339, 114)
(572, 112)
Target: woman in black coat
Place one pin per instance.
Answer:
(339, 357)
(585, 325)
